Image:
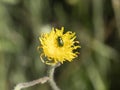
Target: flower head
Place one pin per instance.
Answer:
(58, 46)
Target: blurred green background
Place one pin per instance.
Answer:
(97, 26)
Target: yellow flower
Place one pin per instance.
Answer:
(58, 46)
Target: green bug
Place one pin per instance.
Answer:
(60, 41)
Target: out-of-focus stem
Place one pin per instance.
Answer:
(116, 7)
(98, 19)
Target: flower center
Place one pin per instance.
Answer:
(60, 41)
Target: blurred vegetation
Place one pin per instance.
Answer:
(97, 26)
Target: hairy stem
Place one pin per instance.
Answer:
(31, 83)
(51, 77)
(43, 80)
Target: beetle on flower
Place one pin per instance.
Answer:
(58, 46)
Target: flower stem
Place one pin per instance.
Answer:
(51, 77)
(31, 83)
(42, 80)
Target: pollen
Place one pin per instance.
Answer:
(58, 46)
